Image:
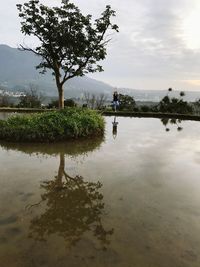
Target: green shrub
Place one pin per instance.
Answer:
(67, 103)
(174, 105)
(31, 99)
(145, 108)
(126, 103)
(52, 126)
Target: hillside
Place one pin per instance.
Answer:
(17, 72)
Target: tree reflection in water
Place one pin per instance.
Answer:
(167, 121)
(73, 206)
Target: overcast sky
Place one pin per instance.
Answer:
(158, 45)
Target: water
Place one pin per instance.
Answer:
(130, 200)
(5, 115)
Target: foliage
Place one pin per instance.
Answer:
(70, 103)
(95, 101)
(174, 105)
(67, 103)
(145, 108)
(170, 105)
(52, 126)
(126, 102)
(70, 43)
(196, 107)
(5, 101)
(182, 93)
(31, 99)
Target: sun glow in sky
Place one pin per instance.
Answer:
(191, 28)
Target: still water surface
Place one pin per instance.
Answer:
(130, 200)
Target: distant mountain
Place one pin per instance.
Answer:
(157, 95)
(17, 72)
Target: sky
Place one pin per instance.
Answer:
(158, 45)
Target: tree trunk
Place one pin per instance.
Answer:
(61, 97)
(59, 86)
(60, 170)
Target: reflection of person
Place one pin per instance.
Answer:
(114, 129)
(115, 100)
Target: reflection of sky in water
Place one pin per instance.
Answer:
(151, 191)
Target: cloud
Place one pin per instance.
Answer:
(192, 82)
(151, 50)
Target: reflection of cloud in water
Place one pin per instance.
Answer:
(197, 157)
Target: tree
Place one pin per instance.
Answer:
(196, 107)
(67, 103)
(70, 44)
(174, 105)
(126, 102)
(94, 101)
(100, 101)
(170, 89)
(4, 100)
(31, 99)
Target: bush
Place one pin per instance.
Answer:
(174, 105)
(31, 99)
(5, 101)
(67, 103)
(126, 102)
(145, 108)
(52, 126)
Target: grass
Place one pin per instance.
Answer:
(70, 123)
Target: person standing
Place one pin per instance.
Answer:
(115, 100)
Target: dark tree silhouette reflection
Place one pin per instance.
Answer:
(69, 206)
(73, 206)
(166, 122)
